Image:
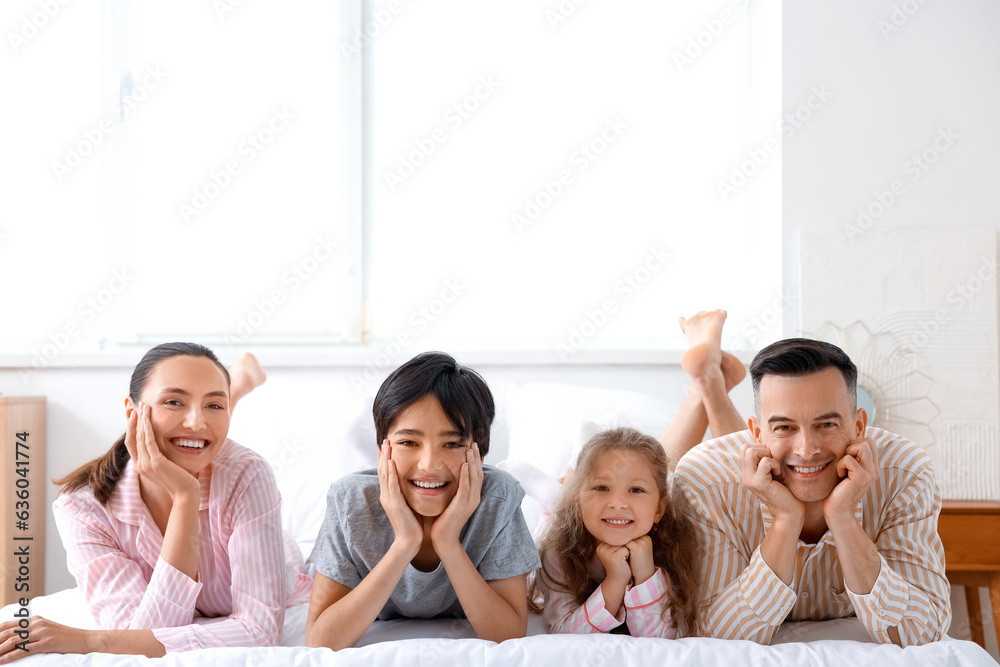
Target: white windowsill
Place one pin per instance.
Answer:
(362, 355)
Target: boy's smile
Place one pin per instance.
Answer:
(429, 452)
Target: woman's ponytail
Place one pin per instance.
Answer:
(101, 474)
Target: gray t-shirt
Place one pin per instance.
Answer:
(356, 533)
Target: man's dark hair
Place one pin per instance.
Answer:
(802, 356)
(461, 391)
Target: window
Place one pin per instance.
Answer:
(557, 175)
(179, 175)
(444, 174)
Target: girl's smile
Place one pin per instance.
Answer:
(622, 500)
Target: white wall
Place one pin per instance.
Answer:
(891, 91)
(889, 97)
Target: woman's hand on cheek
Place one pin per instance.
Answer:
(150, 463)
(405, 525)
(640, 559)
(447, 527)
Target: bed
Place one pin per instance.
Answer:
(296, 453)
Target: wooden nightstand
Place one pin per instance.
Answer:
(22, 498)
(970, 531)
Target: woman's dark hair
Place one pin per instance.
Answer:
(461, 391)
(802, 356)
(102, 474)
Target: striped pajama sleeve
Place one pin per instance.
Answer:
(746, 600)
(644, 606)
(257, 561)
(244, 581)
(565, 615)
(911, 592)
(113, 584)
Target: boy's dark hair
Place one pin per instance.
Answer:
(461, 391)
(802, 356)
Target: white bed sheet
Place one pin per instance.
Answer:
(442, 642)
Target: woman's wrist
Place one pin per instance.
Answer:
(186, 499)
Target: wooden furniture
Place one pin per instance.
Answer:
(22, 498)
(970, 531)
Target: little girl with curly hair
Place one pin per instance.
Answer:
(619, 556)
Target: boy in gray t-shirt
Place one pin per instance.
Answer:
(431, 531)
(356, 534)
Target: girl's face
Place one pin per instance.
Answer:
(189, 409)
(621, 500)
(429, 452)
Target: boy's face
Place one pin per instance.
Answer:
(429, 452)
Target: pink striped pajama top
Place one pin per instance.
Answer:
(641, 609)
(246, 574)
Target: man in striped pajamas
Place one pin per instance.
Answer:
(811, 514)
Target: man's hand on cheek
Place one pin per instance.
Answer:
(858, 470)
(447, 527)
(761, 473)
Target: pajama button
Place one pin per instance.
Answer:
(805, 595)
(881, 612)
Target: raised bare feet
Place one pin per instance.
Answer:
(733, 370)
(245, 376)
(704, 334)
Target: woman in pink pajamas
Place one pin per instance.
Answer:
(174, 535)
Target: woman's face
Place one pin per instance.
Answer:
(188, 398)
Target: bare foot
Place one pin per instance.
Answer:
(246, 375)
(704, 334)
(733, 370)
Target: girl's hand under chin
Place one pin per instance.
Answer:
(615, 562)
(641, 559)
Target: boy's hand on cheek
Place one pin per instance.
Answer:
(640, 559)
(446, 528)
(407, 529)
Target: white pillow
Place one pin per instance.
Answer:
(312, 432)
(548, 422)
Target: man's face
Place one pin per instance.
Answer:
(806, 423)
